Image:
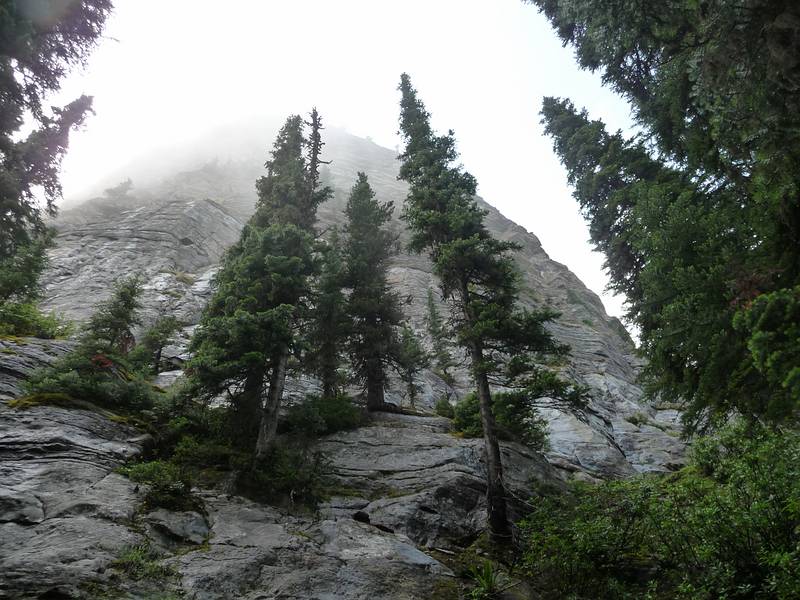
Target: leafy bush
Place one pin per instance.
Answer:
(169, 485)
(443, 408)
(297, 475)
(516, 419)
(98, 378)
(319, 416)
(728, 526)
(26, 319)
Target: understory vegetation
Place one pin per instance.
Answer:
(726, 526)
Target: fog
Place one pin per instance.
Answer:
(181, 82)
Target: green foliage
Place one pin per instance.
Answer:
(143, 562)
(372, 307)
(442, 355)
(321, 415)
(297, 475)
(329, 322)
(699, 215)
(514, 412)
(772, 326)
(248, 329)
(169, 486)
(728, 526)
(35, 55)
(146, 356)
(411, 359)
(98, 369)
(443, 408)
(487, 581)
(26, 319)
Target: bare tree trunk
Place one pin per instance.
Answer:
(499, 530)
(375, 398)
(269, 414)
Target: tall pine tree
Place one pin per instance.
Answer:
(477, 273)
(248, 329)
(373, 308)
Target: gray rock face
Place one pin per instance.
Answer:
(410, 475)
(63, 512)
(171, 235)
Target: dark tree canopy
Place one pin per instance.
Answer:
(373, 308)
(39, 43)
(699, 216)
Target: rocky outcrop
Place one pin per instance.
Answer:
(172, 232)
(400, 486)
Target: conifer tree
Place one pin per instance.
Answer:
(442, 356)
(39, 44)
(329, 321)
(411, 359)
(477, 273)
(248, 329)
(372, 307)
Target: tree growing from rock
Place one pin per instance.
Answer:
(329, 322)
(373, 308)
(477, 275)
(411, 360)
(442, 356)
(249, 328)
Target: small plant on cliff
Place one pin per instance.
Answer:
(98, 369)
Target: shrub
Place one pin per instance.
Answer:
(319, 416)
(516, 419)
(728, 526)
(487, 581)
(169, 485)
(25, 319)
(443, 408)
(142, 562)
(98, 378)
(297, 475)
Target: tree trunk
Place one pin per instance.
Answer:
(375, 396)
(244, 425)
(269, 414)
(499, 530)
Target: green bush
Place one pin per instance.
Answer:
(142, 562)
(98, 378)
(169, 485)
(25, 319)
(297, 475)
(443, 408)
(516, 419)
(320, 416)
(728, 526)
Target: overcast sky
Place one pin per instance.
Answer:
(168, 70)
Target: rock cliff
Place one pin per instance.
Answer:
(414, 492)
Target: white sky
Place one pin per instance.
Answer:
(169, 70)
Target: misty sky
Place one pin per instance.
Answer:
(169, 70)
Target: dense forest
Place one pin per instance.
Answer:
(697, 215)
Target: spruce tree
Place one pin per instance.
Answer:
(249, 328)
(38, 47)
(329, 321)
(372, 307)
(442, 356)
(411, 360)
(477, 273)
